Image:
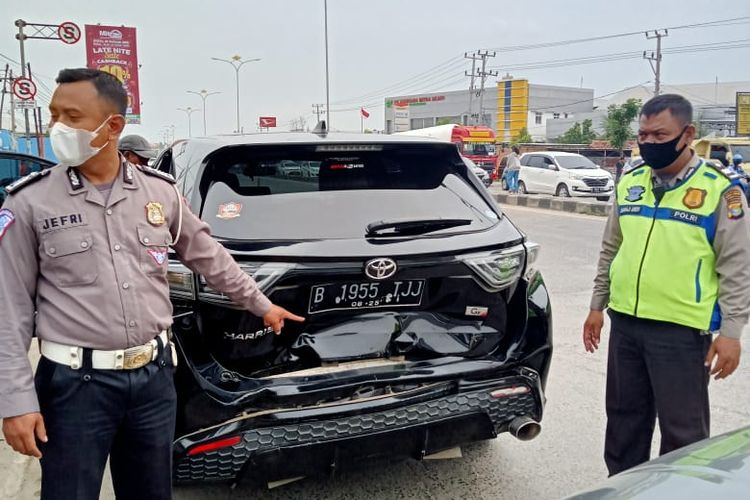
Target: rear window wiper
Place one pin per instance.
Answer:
(412, 227)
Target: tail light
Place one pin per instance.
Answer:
(181, 281)
(498, 270)
(532, 254)
(265, 274)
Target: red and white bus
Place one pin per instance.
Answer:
(476, 143)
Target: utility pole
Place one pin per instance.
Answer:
(655, 57)
(8, 84)
(328, 84)
(318, 110)
(473, 56)
(21, 37)
(12, 108)
(482, 74)
(2, 94)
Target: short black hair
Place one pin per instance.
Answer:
(515, 149)
(107, 86)
(677, 105)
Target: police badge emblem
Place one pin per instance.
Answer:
(155, 213)
(694, 198)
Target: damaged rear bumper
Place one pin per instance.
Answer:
(274, 445)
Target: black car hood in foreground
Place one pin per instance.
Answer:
(713, 468)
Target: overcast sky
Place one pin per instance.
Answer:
(374, 45)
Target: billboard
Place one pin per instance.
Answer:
(113, 49)
(267, 121)
(743, 113)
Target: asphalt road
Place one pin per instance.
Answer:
(565, 458)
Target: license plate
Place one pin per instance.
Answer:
(353, 296)
(597, 190)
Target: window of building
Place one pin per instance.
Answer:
(417, 123)
(538, 118)
(556, 116)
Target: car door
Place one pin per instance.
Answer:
(548, 175)
(532, 172)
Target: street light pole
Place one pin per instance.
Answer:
(328, 88)
(203, 94)
(189, 111)
(236, 62)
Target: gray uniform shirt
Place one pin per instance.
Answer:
(732, 247)
(95, 272)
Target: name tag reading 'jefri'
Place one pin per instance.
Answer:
(60, 222)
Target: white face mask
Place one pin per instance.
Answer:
(72, 146)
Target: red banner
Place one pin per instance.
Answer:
(113, 49)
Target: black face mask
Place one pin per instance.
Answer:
(658, 156)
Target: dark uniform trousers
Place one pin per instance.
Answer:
(654, 369)
(126, 415)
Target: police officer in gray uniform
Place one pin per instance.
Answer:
(83, 248)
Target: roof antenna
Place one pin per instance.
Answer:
(321, 128)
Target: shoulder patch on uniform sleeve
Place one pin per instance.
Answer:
(157, 173)
(26, 181)
(733, 200)
(6, 220)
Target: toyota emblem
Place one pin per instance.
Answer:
(380, 269)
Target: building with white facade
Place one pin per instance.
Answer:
(507, 108)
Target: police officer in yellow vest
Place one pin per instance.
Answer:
(674, 268)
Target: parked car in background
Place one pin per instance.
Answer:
(718, 467)
(723, 149)
(427, 325)
(479, 172)
(564, 174)
(13, 166)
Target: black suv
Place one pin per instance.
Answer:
(427, 326)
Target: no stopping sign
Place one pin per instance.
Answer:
(24, 88)
(69, 32)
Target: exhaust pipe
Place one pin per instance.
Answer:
(524, 428)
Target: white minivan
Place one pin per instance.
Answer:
(564, 174)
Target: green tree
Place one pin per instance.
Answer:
(619, 119)
(523, 137)
(444, 121)
(579, 133)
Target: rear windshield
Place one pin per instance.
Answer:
(301, 192)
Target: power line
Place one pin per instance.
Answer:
(456, 61)
(727, 44)
(448, 65)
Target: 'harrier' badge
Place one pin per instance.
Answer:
(155, 213)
